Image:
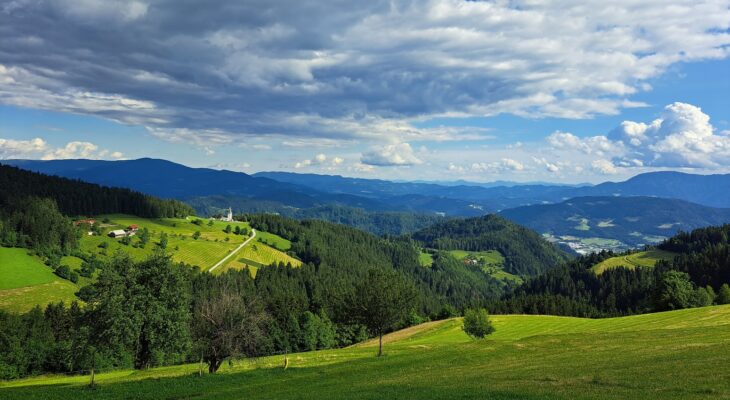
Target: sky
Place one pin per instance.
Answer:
(562, 91)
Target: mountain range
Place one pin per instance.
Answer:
(618, 215)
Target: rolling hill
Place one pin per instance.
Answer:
(616, 223)
(524, 251)
(672, 355)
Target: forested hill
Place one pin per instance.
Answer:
(699, 275)
(525, 252)
(74, 197)
(336, 257)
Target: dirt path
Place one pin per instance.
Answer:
(253, 235)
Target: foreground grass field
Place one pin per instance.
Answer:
(647, 258)
(25, 282)
(674, 355)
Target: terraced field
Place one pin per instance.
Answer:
(257, 255)
(25, 282)
(673, 355)
(647, 258)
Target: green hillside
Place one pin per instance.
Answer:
(524, 252)
(25, 282)
(491, 262)
(647, 258)
(673, 355)
(212, 245)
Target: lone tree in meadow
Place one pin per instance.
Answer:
(381, 301)
(231, 322)
(477, 323)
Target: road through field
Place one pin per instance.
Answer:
(253, 235)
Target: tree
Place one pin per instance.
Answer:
(228, 323)
(237, 230)
(228, 229)
(144, 237)
(196, 235)
(723, 295)
(381, 301)
(674, 291)
(477, 323)
(163, 240)
(140, 311)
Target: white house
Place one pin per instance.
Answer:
(118, 233)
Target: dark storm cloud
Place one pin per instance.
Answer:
(213, 70)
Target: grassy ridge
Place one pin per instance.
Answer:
(647, 258)
(675, 355)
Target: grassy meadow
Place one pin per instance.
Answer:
(647, 258)
(673, 355)
(25, 282)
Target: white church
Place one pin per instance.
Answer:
(229, 216)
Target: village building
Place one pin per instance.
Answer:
(118, 233)
(229, 216)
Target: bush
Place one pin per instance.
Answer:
(477, 323)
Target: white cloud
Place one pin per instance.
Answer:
(604, 167)
(365, 71)
(400, 154)
(10, 148)
(39, 148)
(320, 160)
(681, 137)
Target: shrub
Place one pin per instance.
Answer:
(477, 323)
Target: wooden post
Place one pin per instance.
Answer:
(91, 382)
(286, 358)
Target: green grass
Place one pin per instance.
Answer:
(211, 247)
(425, 259)
(19, 269)
(647, 258)
(492, 261)
(256, 255)
(272, 240)
(26, 282)
(675, 355)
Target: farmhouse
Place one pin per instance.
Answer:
(118, 233)
(85, 221)
(132, 228)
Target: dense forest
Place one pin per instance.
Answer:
(80, 198)
(525, 252)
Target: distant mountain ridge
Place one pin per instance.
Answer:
(273, 191)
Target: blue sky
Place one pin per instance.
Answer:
(435, 90)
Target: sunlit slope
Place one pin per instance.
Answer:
(674, 355)
(647, 258)
(25, 282)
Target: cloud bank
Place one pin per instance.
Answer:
(215, 72)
